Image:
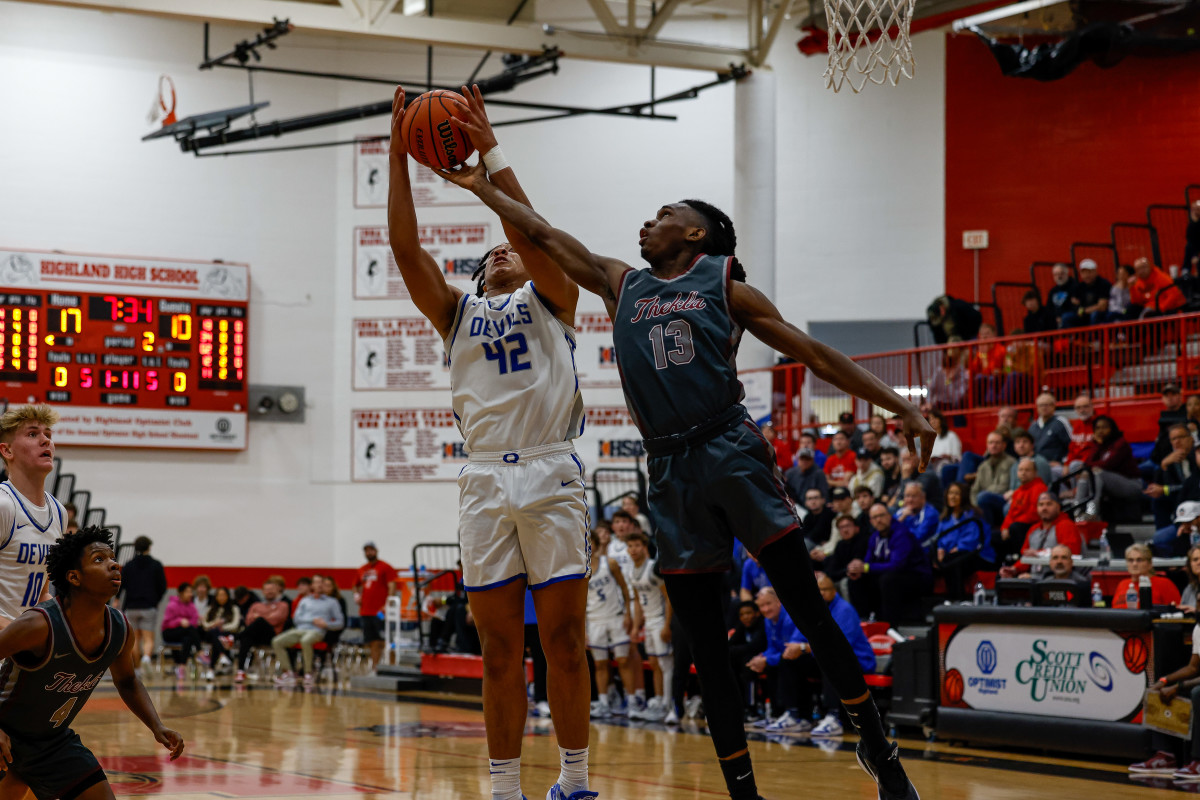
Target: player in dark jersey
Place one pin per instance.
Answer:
(676, 328)
(56, 654)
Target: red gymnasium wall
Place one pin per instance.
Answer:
(1042, 165)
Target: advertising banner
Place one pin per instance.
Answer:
(1080, 673)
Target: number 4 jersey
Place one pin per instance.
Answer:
(512, 373)
(676, 343)
(26, 533)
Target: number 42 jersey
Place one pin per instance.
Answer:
(512, 373)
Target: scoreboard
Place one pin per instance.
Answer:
(131, 352)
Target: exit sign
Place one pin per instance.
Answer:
(975, 240)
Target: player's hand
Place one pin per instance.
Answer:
(469, 176)
(665, 633)
(399, 148)
(475, 121)
(757, 664)
(1168, 693)
(171, 740)
(941, 554)
(1154, 489)
(915, 428)
(5, 750)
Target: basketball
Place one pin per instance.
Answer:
(953, 686)
(1135, 654)
(430, 133)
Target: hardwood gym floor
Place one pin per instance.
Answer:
(262, 742)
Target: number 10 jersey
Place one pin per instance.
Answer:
(512, 373)
(26, 533)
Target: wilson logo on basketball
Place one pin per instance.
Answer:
(449, 145)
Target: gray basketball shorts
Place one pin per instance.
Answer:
(704, 497)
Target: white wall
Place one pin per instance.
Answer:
(75, 87)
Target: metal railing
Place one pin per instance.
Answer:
(1103, 253)
(433, 567)
(1116, 363)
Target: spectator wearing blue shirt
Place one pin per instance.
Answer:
(754, 579)
(847, 619)
(896, 571)
(964, 542)
(807, 440)
(918, 517)
(781, 663)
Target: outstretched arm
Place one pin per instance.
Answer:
(133, 693)
(435, 298)
(552, 284)
(754, 312)
(597, 274)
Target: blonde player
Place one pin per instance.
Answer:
(30, 518)
(522, 507)
(611, 613)
(651, 593)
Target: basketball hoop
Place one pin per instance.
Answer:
(869, 40)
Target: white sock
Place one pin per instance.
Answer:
(640, 694)
(667, 665)
(506, 778)
(573, 770)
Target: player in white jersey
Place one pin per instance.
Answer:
(522, 507)
(611, 613)
(30, 518)
(651, 592)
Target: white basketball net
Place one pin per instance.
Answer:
(868, 41)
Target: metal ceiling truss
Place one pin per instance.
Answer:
(620, 42)
(212, 130)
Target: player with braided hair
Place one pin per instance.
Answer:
(56, 653)
(676, 328)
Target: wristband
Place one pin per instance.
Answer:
(1166, 490)
(494, 160)
(1163, 681)
(866, 567)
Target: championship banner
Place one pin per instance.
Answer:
(456, 247)
(1079, 673)
(371, 171)
(595, 357)
(398, 353)
(400, 445)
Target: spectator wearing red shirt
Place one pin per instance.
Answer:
(264, 621)
(1053, 528)
(783, 450)
(1139, 562)
(376, 583)
(1082, 444)
(842, 463)
(1149, 281)
(986, 365)
(1022, 511)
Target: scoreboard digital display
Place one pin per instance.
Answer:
(131, 352)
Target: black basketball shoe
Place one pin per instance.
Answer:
(887, 773)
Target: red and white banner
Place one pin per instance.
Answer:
(398, 353)
(139, 276)
(456, 247)
(147, 427)
(423, 444)
(371, 170)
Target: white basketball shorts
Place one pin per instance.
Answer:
(652, 637)
(608, 633)
(523, 515)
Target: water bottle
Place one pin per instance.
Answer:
(1131, 596)
(1097, 595)
(980, 593)
(1195, 537)
(1105, 551)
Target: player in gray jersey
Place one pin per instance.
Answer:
(676, 328)
(56, 654)
(522, 507)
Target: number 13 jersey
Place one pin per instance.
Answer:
(676, 343)
(512, 373)
(26, 533)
